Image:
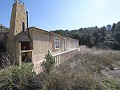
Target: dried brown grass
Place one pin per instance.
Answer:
(82, 71)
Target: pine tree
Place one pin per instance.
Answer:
(48, 63)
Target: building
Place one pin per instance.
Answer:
(31, 44)
(3, 37)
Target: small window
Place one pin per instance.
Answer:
(56, 43)
(23, 26)
(26, 46)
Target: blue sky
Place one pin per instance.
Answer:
(65, 14)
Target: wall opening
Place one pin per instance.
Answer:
(26, 46)
(26, 57)
(23, 26)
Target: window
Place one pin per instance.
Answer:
(26, 46)
(23, 26)
(56, 43)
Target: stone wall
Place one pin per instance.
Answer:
(60, 42)
(41, 42)
(44, 41)
(18, 16)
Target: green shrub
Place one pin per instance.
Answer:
(18, 77)
(112, 83)
(6, 79)
(48, 63)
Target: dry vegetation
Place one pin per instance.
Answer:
(90, 69)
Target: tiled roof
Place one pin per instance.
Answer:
(22, 37)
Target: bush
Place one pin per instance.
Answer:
(61, 81)
(84, 84)
(18, 77)
(6, 78)
(8, 59)
(81, 72)
(112, 84)
(54, 81)
(48, 63)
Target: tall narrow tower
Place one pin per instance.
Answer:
(18, 24)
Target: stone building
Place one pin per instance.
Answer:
(31, 44)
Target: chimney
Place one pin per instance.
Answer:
(27, 30)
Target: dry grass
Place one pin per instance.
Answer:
(89, 69)
(83, 71)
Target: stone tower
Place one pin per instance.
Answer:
(17, 22)
(18, 27)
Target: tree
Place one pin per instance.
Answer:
(117, 36)
(97, 36)
(113, 27)
(94, 37)
(108, 27)
(48, 63)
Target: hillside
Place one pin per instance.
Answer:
(89, 69)
(95, 69)
(106, 37)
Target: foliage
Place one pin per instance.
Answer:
(81, 72)
(112, 84)
(106, 37)
(85, 84)
(18, 77)
(48, 63)
(7, 59)
(85, 70)
(54, 81)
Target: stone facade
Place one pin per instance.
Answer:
(17, 27)
(33, 45)
(44, 41)
(18, 18)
